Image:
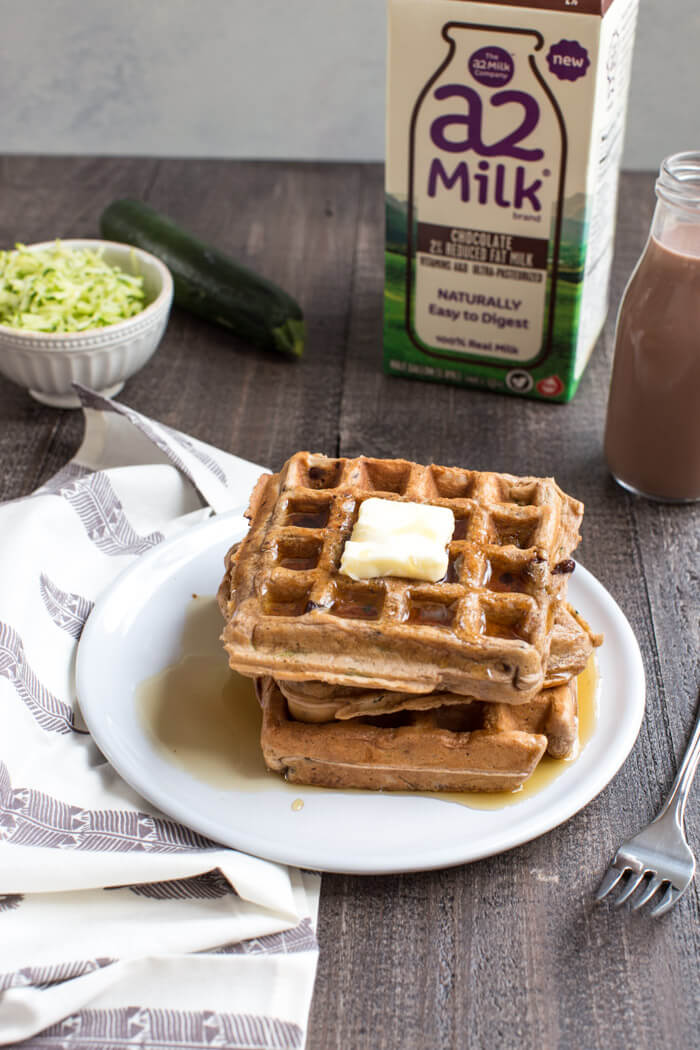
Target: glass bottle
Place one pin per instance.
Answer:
(652, 435)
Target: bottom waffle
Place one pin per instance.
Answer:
(473, 746)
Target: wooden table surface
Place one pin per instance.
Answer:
(509, 952)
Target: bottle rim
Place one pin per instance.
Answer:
(678, 183)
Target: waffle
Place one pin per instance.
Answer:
(483, 632)
(572, 644)
(473, 746)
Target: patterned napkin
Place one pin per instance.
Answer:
(118, 926)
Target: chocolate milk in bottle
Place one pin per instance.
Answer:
(652, 438)
(505, 125)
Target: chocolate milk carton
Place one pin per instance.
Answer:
(505, 126)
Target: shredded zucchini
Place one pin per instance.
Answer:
(61, 289)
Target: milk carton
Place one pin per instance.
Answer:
(504, 134)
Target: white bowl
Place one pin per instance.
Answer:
(47, 363)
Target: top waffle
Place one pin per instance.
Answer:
(484, 631)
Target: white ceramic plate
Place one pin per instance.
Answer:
(135, 631)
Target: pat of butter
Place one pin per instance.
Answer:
(391, 538)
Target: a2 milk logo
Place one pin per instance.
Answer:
(492, 179)
(568, 60)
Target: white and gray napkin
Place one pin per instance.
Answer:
(120, 927)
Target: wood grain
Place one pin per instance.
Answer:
(509, 952)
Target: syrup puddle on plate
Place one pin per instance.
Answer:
(203, 716)
(206, 719)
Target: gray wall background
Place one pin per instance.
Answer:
(300, 79)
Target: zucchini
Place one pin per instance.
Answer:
(209, 283)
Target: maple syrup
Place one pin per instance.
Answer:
(285, 607)
(454, 568)
(499, 629)
(351, 609)
(504, 581)
(432, 614)
(299, 564)
(206, 719)
(460, 532)
(548, 768)
(307, 515)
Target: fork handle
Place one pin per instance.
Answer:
(678, 795)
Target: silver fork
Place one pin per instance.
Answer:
(660, 850)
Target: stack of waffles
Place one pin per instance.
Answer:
(396, 684)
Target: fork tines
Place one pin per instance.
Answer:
(630, 880)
